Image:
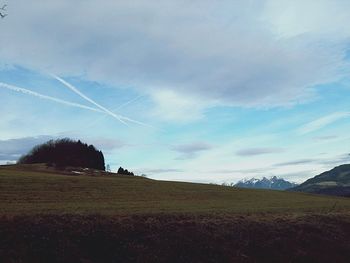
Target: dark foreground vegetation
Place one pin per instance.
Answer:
(175, 238)
(47, 216)
(65, 152)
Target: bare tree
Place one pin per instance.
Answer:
(2, 11)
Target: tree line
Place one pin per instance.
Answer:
(65, 152)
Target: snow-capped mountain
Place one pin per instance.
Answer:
(265, 183)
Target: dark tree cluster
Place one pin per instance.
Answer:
(65, 152)
(2, 11)
(123, 171)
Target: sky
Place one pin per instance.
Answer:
(198, 91)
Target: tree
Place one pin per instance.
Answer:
(123, 171)
(2, 11)
(65, 152)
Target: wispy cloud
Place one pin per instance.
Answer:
(334, 160)
(323, 122)
(160, 171)
(261, 170)
(189, 151)
(259, 151)
(326, 137)
(296, 162)
(340, 159)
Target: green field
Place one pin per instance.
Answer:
(51, 216)
(26, 191)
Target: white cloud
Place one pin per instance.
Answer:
(171, 106)
(297, 17)
(326, 137)
(229, 52)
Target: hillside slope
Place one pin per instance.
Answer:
(46, 216)
(333, 182)
(30, 192)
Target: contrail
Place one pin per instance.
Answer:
(116, 116)
(121, 106)
(134, 121)
(128, 102)
(127, 119)
(41, 96)
(122, 117)
(74, 89)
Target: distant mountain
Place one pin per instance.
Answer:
(333, 182)
(274, 183)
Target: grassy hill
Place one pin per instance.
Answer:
(333, 182)
(91, 216)
(33, 190)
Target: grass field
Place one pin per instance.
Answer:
(33, 192)
(50, 216)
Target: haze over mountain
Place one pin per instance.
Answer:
(333, 182)
(274, 183)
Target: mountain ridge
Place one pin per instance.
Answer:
(332, 182)
(273, 182)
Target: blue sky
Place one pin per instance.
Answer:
(209, 92)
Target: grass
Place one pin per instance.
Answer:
(28, 191)
(50, 216)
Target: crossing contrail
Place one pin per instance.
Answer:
(127, 103)
(127, 119)
(41, 96)
(120, 118)
(74, 89)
